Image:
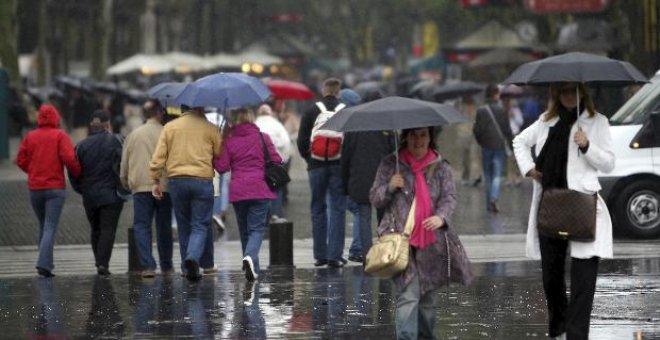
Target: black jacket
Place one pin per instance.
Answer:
(99, 156)
(484, 128)
(305, 132)
(361, 153)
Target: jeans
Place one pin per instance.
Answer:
(493, 163)
(276, 204)
(103, 221)
(192, 200)
(415, 314)
(362, 240)
(145, 206)
(328, 207)
(251, 216)
(207, 260)
(47, 205)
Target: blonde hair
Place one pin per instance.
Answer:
(241, 115)
(553, 102)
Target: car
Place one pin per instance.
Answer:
(632, 189)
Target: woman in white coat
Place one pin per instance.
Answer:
(568, 153)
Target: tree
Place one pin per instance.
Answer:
(8, 43)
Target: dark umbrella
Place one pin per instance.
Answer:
(394, 113)
(423, 88)
(455, 90)
(165, 92)
(366, 87)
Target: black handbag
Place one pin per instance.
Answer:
(567, 214)
(276, 175)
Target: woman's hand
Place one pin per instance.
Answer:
(535, 174)
(434, 222)
(156, 191)
(580, 138)
(396, 182)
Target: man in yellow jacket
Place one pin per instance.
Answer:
(185, 151)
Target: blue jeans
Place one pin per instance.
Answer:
(47, 205)
(192, 200)
(362, 240)
(415, 314)
(251, 216)
(328, 212)
(145, 206)
(276, 204)
(493, 162)
(207, 260)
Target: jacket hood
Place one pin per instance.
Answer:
(245, 129)
(48, 116)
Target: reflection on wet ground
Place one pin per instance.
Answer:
(505, 302)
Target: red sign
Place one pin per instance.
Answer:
(565, 6)
(473, 3)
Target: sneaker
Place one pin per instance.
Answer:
(192, 270)
(103, 271)
(44, 272)
(219, 224)
(492, 207)
(356, 258)
(148, 274)
(250, 275)
(212, 270)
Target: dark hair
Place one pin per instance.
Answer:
(153, 109)
(332, 86)
(492, 90)
(406, 132)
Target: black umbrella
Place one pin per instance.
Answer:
(455, 90)
(394, 113)
(367, 87)
(576, 67)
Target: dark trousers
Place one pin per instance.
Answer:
(571, 317)
(103, 221)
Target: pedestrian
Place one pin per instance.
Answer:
(468, 145)
(493, 134)
(43, 154)
(185, 151)
(569, 152)
(138, 149)
(100, 158)
(361, 154)
(248, 191)
(421, 182)
(321, 149)
(510, 105)
(270, 125)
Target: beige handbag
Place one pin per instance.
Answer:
(390, 254)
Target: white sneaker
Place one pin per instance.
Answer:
(250, 274)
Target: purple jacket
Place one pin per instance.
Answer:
(433, 265)
(244, 156)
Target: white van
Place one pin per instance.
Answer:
(632, 189)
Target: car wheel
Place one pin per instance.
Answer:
(637, 209)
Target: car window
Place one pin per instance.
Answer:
(639, 106)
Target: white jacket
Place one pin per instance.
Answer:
(582, 175)
(278, 134)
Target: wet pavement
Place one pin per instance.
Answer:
(505, 302)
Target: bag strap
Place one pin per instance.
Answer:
(497, 126)
(263, 147)
(323, 108)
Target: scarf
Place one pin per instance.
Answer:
(421, 237)
(553, 158)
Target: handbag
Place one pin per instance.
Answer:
(507, 149)
(276, 175)
(390, 254)
(567, 214)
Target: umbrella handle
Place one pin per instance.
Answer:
(396, 149)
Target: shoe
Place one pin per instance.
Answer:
(335, 263)
(320, 263)
(192, 270)
(356, 258)
(103, 271)
(250, 274)
(219, 224)
(148, 274)
(211, 270)
(343, 260)
(492, 206)
(44, 272)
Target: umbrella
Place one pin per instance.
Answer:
(165, 92)
(394, 113)
(367, 87)
(224, 90)
(511, 91)
(576, 67)
(423, 88)
(500, 56)
(454, 90)
(286, 89)
(145, 63)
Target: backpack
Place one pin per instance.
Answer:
(326, 144)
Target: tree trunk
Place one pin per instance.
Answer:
(103, 30)
(8, 43)
(42, 51)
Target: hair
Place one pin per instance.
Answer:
(554, 103)
(331, 87)
(265, 110)
(406, 132)
(492, 90)
(151, 108)
(372, 95)
(241, 115)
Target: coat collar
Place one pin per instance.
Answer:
(583, 120)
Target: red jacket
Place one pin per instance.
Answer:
(44, 152)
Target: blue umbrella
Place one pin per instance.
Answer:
(166, 92)
(224, 90)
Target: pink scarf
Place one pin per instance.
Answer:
(421, 237)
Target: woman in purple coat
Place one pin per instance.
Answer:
(437, 256)
(243, 155)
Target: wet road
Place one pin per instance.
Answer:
(505, 302)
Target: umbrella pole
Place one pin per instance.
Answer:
(577, 121)
(396, 149)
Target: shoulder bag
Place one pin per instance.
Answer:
(567, 214)
(276, 175)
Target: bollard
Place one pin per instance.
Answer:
(133, 260)
(280, 236)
